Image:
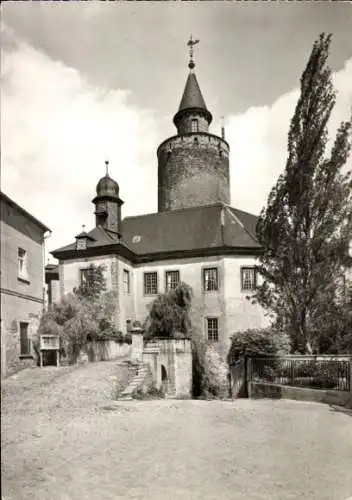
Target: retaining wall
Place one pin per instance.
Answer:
(276, 391)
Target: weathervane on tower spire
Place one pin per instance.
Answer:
(191, 44)
(107, 167)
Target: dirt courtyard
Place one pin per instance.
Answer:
(64, 438)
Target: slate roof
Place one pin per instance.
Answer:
(97, 237)
(192, 95)
(191, 229)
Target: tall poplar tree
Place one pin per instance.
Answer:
(306, 225)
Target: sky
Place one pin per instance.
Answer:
(82, 82)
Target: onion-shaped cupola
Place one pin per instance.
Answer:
(108, 203)
(107, 187)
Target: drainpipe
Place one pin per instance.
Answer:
(45, 237)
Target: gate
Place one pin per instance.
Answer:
(238, 378)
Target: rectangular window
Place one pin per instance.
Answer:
(172, 279)
(22, 263)
(248, 278)
(194, 125)
(150, 283)
(84, 276)
(213, 329)
(210, 279)
(126, 281)
(25, 343)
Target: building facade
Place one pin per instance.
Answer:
(22, 283)
(196, 236)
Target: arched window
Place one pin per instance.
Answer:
(194, 125)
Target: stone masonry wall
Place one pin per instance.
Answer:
(15, 310)
(193, 170)
(184, 124)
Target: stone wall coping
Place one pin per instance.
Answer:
(178, 138)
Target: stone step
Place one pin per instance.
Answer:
(135, 382)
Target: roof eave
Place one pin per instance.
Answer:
(27, 214)
(201, 252)
(114, 248)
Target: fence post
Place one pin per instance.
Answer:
(249, 377)
(292, 372)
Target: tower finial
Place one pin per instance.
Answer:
(107, 167)
(191, 44)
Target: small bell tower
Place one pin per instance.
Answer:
(108, 203)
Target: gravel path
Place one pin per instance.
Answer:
(65, 439)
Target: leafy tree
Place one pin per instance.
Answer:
(94, 283)
(255, 342)
(305, 227)
(332, 323)
(169, 317)
(169, 314)
(72, 320)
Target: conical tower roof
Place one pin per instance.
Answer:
(192, 99)
(192, 95)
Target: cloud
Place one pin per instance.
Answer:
(57, 130)
(258, 140)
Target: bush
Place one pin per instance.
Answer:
(258, 342)
(77, 319)
(210, 371)
(215, 376)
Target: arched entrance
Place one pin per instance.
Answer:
(164, 379)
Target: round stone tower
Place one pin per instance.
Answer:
(193, 166)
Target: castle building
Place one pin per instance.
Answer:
(196, 236)
(22, 284)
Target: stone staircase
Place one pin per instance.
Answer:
(140, 372)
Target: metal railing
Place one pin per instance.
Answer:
(334, 374)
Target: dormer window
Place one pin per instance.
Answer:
(81, 243)
(194, 125)
(82, 240)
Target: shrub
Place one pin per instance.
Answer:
(210, 371)
(77, 319)
(215, 375)
(258, 342)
